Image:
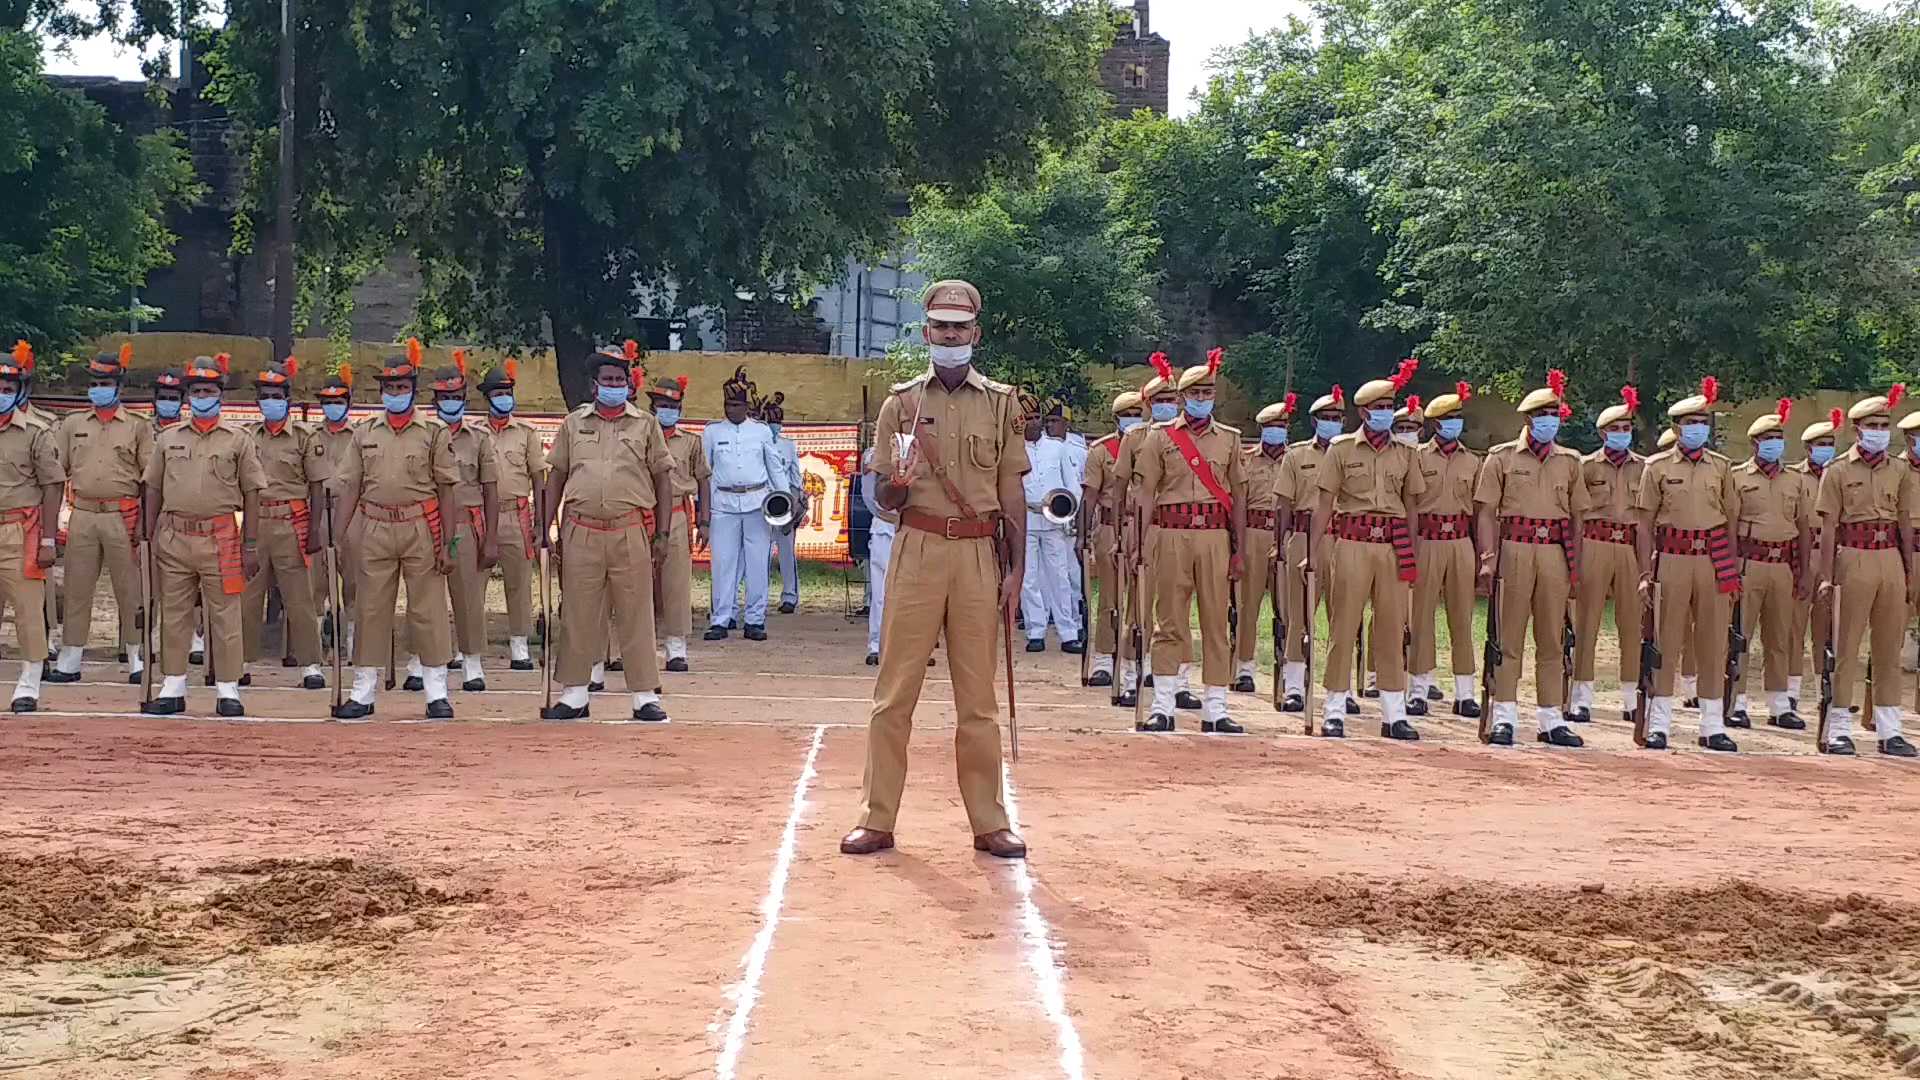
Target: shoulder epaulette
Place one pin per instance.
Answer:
(1233, 431)
(997, 387)
(1344, 437)
(918, 380)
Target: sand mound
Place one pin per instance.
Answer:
(297, 900)
(53, 906)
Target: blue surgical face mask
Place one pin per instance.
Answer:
(165, 408)
(103, 396)
(1770, 450)
(451, 411)
(1821, 455)
(501, 403)
(1273, 436)
(397, 403)
(776, 430)
(1544, 429)
(1327, 430)
(1128, 423)
(274, 409)
(1875, 441)
(1164, 411)
(1694, 436)
(205, 407)
(1619, 441)
(612, 396)
(8, 402)
(668, 417)
(335, 411)
(1379, 419)
(1199, 410)
(1450, 428)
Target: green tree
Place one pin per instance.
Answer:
(556, 167)
(85, 206)
(1065, 280)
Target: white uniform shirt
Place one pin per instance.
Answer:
(742, 456)
(1053, 466)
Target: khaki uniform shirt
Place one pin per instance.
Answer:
(1613, 490)
(205, 473)
(1100, 466)
(398, 468)
(609, 464)
(1853, 491)
(29, 461)
(338, 445)
(477, 459)
(1518, 483)
(689, 464)
(1263, 476)
(1811, 478)
(104, 459)
(973, 437)
(290, 460)
(1686, 494)
(1449, 478)
(1363, 480)
(1774, 508)
(520, 459)
(1120, 476)
(1164, 476)
(1299, 482)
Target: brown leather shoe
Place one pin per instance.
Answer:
(865, 841)
(1002, 843)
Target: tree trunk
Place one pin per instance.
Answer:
(570, 351)
(571, 344)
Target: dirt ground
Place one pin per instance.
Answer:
(497, 897)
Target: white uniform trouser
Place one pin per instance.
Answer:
(739, 546)
(1048, 586)
(879, 557)
(789, 566)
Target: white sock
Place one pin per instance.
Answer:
(348, 651)
(312, 670)
(574, 697)
(29, 684)
(644, 698)
(135, 665)
(1779, 703)
(1508, 713)
(1740, 702)
(227, 691)
(414, 670)
(173, 686)
(677, 648)
(1886, 722)
(470, 667)
(1215, 703)
(1103, 664)
(1839, 723)
(1179, 677)
(599, 673)
(1713, 719)
(436, 680)
(1549, 717)
(365, 680)
(1296, 676)
(1163, 693)
(199, 642)
(1243, 669)
(517, 648)
(1373, 680)
(1581, 698)
(1130, 675)
(1393, 706)
(1689, 686)
(1793, 687)
(1335, 707)
(1660, 716)
(69, 662)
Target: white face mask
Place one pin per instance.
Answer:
(951, 356)
(1407, 438)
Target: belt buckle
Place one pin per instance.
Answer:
(1541, 532)
(948, 531)
(1699, 544)
(1880, 536)
(1447, 527)
(1619, 536)
(1377, 533)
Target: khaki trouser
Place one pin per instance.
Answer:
(1811, 622)
(937, 584)
(347, 558)
(391, 552)
(601, 567)
(467, 586)
(1254, 588)
(1533, 588)
(282, 563)
(188, 568)
(27, 596)
(1446, 576)
(516, 572)
(1608, 571)
(1366, 572)
(1767, 601)
(1190, 564)
(1694, 615)
(676, 582)
(1873, 595)
(1106, 576)
(1296, 594)
(97, 538)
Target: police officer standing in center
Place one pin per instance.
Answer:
(294, 468)
(743, 460)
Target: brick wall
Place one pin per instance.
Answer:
(1137, 70)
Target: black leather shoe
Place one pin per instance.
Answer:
(1036, 644)
(1738, 718)
(1128, 699)
(1787, 721)
(678, 663)
(120, 659)
(1226, 726)
(873, 659)
(196, 658)
(1148, 681)
(1894, 747)
(1655, 741)
(1370, 692)
(454, 664)
(1468, 708)
(1434, 694)
(27, 705)
(166, 706)
(1626, 717)
(786, 608)
(1243, 685)
(314, 682)
(1720, 742)
(477, 686)
(54, 674)
(1187, 699)
(1332, 727)
(1581, 715)
(1157, 723)
(618, 663)
(352, 710)
(288, 661)
(1690, 703)
(595, 687)
(651, 713)
(755, 633)
(1839, 746)
(520, 665)
(246, 680)
(1502, 735)
(1417, 706)
(1401, 730)
(1294, 703)
(440, 710)
(133, 679)
(1561, 736)
(1074, 648)
(733, 624)
(1100, 678)
(1353, 707)
(414, 683)
(715, 633)
(563, 711)
(227, 706)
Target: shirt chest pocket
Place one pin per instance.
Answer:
(1887, 491)
(515, 458)
(984, 451)
(630, 450)
(226, 467)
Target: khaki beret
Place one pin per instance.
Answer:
(952, 300)
(1127, 402)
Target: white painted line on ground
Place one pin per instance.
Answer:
(671, 694)
(1040, 954)
(754, 963)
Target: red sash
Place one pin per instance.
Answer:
(1202, 468)
(1113, 449)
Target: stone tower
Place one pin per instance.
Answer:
(1136, 71)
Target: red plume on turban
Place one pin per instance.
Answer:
(1292, 400)
(1631, 397)
(513, 369)
(1557, 382)
(1785, 408)
(1837, 418)
(1566, 411)
(1895, 394)
(1404, 374)
(1413, 403)
(1214, 356)
(126, 354)
(630, 349)
(1710, 389)
(1162, 366)
(682, 380)
(23, 355)
(1463, 390)
(223, 362)
(346, 375)
(413, 352)
(460, 362)
(1339, 396)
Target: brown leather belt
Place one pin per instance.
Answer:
(102, 506)
(953, 528)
